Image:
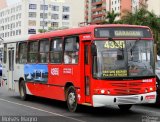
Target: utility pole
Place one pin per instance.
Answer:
(43, 14)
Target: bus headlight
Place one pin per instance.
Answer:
(102, 91)
(151, 89)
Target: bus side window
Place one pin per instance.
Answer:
(56, 51)
(22, 53)
(33, 52)
(5, 54)
(71, 50)
(44, 51)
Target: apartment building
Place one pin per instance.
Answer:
(95, 10)
(28, 16)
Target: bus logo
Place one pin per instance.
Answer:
(55, 71)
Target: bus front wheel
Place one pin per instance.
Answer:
(124, 107)
(22, 91)
(71, 99)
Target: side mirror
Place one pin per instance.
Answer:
(94, 50)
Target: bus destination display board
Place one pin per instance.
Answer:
(122, 32)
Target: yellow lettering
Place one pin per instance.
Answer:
(116, 44)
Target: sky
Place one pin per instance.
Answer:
(10, 2)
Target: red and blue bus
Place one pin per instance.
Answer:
(95, 65)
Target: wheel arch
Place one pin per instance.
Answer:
(20, 80)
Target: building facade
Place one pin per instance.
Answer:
(30, 16)
(95, 10)
(154, 6)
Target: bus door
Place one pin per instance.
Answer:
(87, 72)
(10, 68)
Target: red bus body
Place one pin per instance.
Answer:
(100, 92)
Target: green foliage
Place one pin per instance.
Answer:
(42, 30)
(146, 18)
(141, 17)
(110, 17)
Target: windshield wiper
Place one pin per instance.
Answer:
(131, 48)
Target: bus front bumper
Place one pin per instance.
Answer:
(104, 100)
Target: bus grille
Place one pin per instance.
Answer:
(129, 100)
(127, 88)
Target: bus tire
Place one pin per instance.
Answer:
(125, 107)
(71, 99)
(22, 91)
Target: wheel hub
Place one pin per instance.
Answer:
(71, 98)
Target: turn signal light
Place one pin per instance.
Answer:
(146, 90)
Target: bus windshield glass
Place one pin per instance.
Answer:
(123, 58)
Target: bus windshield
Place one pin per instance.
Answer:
(123, 58)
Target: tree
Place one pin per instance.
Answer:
(110, 17)
(42, 30)
(143, 17)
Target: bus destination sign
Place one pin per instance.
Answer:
(119, 33)
(122, 32)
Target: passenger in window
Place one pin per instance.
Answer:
(59, 47)
(67, 58)
(43, 58)
(74, 58)
(76, 46)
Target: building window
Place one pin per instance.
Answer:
(32, 14)
(65, 9)
(44, 7)
(31, 31)
(54, 24)
(54, 16)
(55, 8)
(32, 6)
(18, 32)
(44, 51)
(44, 15)
(32, 23)
(65, 17)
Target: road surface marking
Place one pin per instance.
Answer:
(42, 110)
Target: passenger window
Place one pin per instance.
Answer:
(56, 51)
(22, 53)
(71, 50)
(33, 52)
(44, 51)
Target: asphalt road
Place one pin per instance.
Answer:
(13, 109)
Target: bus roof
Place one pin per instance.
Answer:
(16, 39)
(74, 31)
